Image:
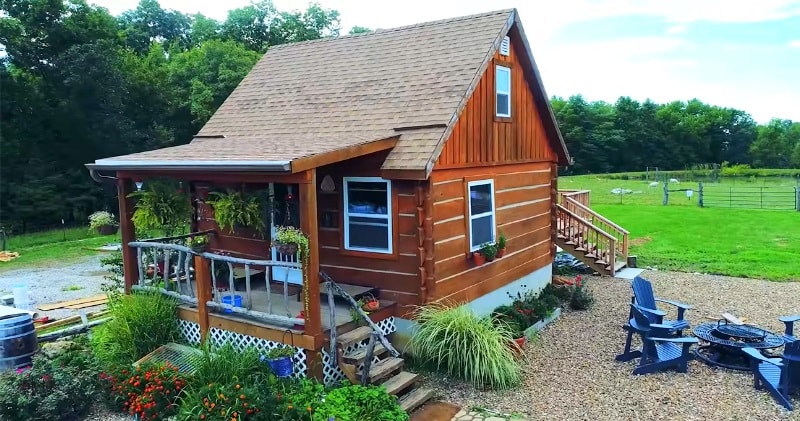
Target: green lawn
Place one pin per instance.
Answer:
(737, 242)
(50, 248)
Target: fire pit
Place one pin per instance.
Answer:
(725, 343)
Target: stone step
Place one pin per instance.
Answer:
(415, 398)
(354, 336)
(400, 382)
(357, 355)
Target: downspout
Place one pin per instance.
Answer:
(97, 177)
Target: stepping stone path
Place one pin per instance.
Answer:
(464, 415)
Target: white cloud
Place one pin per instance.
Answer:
(677, 29)
(794, 43)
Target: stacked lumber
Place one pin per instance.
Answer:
(76, 304)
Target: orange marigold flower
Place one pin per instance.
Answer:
(241, 396)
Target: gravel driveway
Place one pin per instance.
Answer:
(48, 285)
(571, 372)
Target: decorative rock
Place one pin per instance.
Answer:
(54, 349)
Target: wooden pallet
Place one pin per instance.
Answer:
(63, 304)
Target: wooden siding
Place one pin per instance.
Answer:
(396, 275)
(522, 212)
(481, 138)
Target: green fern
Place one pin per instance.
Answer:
(234, 209)
(160, 207)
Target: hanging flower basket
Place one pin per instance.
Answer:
(286, 248)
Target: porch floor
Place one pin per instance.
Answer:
(290, 307)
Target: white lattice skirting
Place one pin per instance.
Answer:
(190, 331)
(331, 373)
(219, 337)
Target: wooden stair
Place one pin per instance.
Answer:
(386, 370)
(591, 238)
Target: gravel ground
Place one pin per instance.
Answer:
(100, 413)
(571, 372)
(49, 284)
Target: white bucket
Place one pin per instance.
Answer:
(21, 298)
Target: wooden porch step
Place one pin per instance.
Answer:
(383, 369)
(415, 398)
(354, 336)
(357, 355)
(400, 382)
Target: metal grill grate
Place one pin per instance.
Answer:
(182, 356)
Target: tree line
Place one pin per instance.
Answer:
(631, 136)
(77, 84)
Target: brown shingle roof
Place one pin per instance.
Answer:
(313, 97)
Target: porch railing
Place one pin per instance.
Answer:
(169, 268)
(580, 196)
(601, 222)
(594, 241)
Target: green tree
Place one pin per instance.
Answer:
(775, 144)
(359, 30)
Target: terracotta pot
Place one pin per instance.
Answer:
(373, 305)
(107, 229)
(478, 258)
(501, 252)
(518, 344)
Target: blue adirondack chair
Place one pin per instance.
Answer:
(660, 350)
(779, 376)
(644, 298)
(788, 335)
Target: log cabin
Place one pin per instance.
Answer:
(399, 154)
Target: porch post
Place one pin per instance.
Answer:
(308, 223)
(203, 282)
(129, 265)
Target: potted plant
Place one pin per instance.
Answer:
(235, 209)
(103, 222)
(489, 251)
(280, 360)
(161, 207)
(478, 258)
(516, 322)
(198, 244)
(288, 240)
(501, 245)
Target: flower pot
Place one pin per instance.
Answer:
(199, 249)
(107, 229)
(501, 252)
(281, 366)
(372, 305)
(517, 345)
(478, 258)
(286, 248)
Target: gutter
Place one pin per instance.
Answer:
(120, 165)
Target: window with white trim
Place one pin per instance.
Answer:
(502, 89)
(367, 214)
(481, 213)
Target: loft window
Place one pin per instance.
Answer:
(367, 214)
(502, 88)
(481, 213)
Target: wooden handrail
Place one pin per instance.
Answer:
(585, 222)
(594, 214)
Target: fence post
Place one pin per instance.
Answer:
(797, 198)
(700, 194)
(666, 194)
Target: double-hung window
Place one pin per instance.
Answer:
(502, 89)
(367, 214)
(481, 213)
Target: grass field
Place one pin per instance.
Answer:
(778, 191)
(53, 247)
(682, 236)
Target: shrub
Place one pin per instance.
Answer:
(139, 324)
(457, 341)
(226, 365)
(582, 298)
(224, 402)
(149, 391)
(46, 392)
(356, 403)
(114, 283)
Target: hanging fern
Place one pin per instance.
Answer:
(160, 207)
(234, 209)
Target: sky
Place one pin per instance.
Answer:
(743, 54)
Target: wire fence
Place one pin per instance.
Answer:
(743, 197)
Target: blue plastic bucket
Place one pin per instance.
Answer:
(282, 367)
(234, 300)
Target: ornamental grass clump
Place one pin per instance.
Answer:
(458, 342)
